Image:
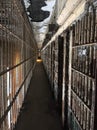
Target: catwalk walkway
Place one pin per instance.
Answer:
(39, 112)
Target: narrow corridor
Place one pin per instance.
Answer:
(39, 109)
(60, 92)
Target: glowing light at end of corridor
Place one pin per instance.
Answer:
(39, 60)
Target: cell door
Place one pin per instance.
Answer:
(65, 89)
(60, 71)
(52, 65)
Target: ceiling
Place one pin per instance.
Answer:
(39, 12)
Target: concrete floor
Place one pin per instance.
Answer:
(39, 111)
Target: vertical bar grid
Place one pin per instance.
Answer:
(16, 46)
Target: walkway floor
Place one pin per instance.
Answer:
(39, 109)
